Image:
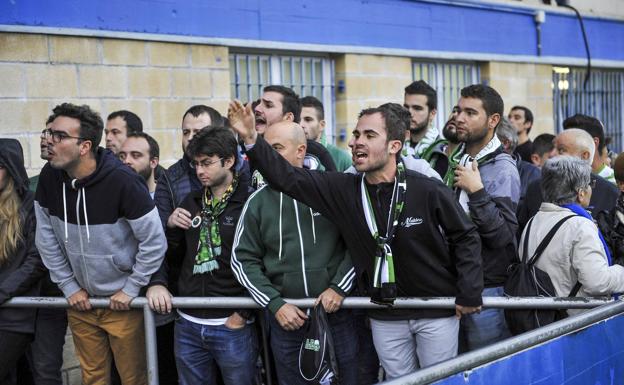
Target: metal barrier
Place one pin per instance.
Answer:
(509, 346)
(422, 376)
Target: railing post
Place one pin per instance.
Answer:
(150, 346)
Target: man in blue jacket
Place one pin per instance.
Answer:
(487, 185)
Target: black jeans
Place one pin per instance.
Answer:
(13, 345)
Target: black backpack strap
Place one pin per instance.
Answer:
(575, 289)
(542, 246)
(525, 252)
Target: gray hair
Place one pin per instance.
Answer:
(505, 131)
(562, 178)
(583, 141)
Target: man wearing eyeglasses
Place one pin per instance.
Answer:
(99, 234)
(200, 248)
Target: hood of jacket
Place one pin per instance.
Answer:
(106, 162)
(12, 158)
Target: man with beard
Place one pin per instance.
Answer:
(279, 103)
(424, 138)
(385, 198)
(487, 184)
(119, 125)
(140, 151)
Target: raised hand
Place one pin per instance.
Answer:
(242, 121)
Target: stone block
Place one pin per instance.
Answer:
(397, 66)
(23, 116)
(103, 81)
(358, 86)
(168, 54)
(544, 71)
(221, 84)
(190, 83)
(372, 64)
(348, 63)
(540, 88)
(141, 107)
(170, 145)
(45, 80)
(149, 82)
(23, 47)
(390, 87)
(69, 49)
(209, 56)
(12, 81)
(123, 52)
(167, 113)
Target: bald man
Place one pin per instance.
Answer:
(284, 249)
(578, 143)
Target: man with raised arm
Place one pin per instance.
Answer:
(405, 232)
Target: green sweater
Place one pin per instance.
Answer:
(341, 158)
(282, 248)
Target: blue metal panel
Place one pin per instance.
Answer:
(591, 356)
(400, 24)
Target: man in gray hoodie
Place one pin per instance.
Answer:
(99, 234)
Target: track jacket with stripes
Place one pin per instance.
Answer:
(285, 249)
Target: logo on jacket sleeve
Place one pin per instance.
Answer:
(411, 221)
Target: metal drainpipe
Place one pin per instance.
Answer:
(540, 18)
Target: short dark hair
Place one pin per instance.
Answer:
(311, 101)
(154, 150)
(618, 168)
(290, 100)
(215, 117)
(542, 144)
(491, 99)
(528, 115)
(91, 124)
(133, 122)
(588, 124)
(396, 119)
(420, 87)
(213, 140)
(50, 119)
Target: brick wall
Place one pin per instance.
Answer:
(527, 85)
(158, 81)
(369, 80)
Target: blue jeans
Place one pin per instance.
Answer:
(199, 349)
(286, 344)
(485, 328)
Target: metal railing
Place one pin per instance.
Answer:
(426, 375)
(509, 346)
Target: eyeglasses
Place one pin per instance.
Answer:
(59, 136)
(206, 163)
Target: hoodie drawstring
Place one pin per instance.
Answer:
(65, 212)
(303, 268)
(279, 255)
(313, 229)
(84, 210)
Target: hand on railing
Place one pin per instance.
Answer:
(159, 299)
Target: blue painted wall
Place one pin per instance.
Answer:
(591, 357)
(403, 24)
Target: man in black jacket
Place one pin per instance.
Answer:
(201, 247)
(406, 233)
(573, 142)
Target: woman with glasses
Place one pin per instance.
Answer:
(20, 265)
(577, 253)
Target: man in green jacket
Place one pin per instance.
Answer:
(284, 249)
(313, 123)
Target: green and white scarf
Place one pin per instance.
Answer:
(209, 246)
(430, 138)
(384, 278)
(459, 157)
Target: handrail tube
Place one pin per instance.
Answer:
(509, 346)
(349, 302)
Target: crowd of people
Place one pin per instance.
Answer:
(261, 205)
